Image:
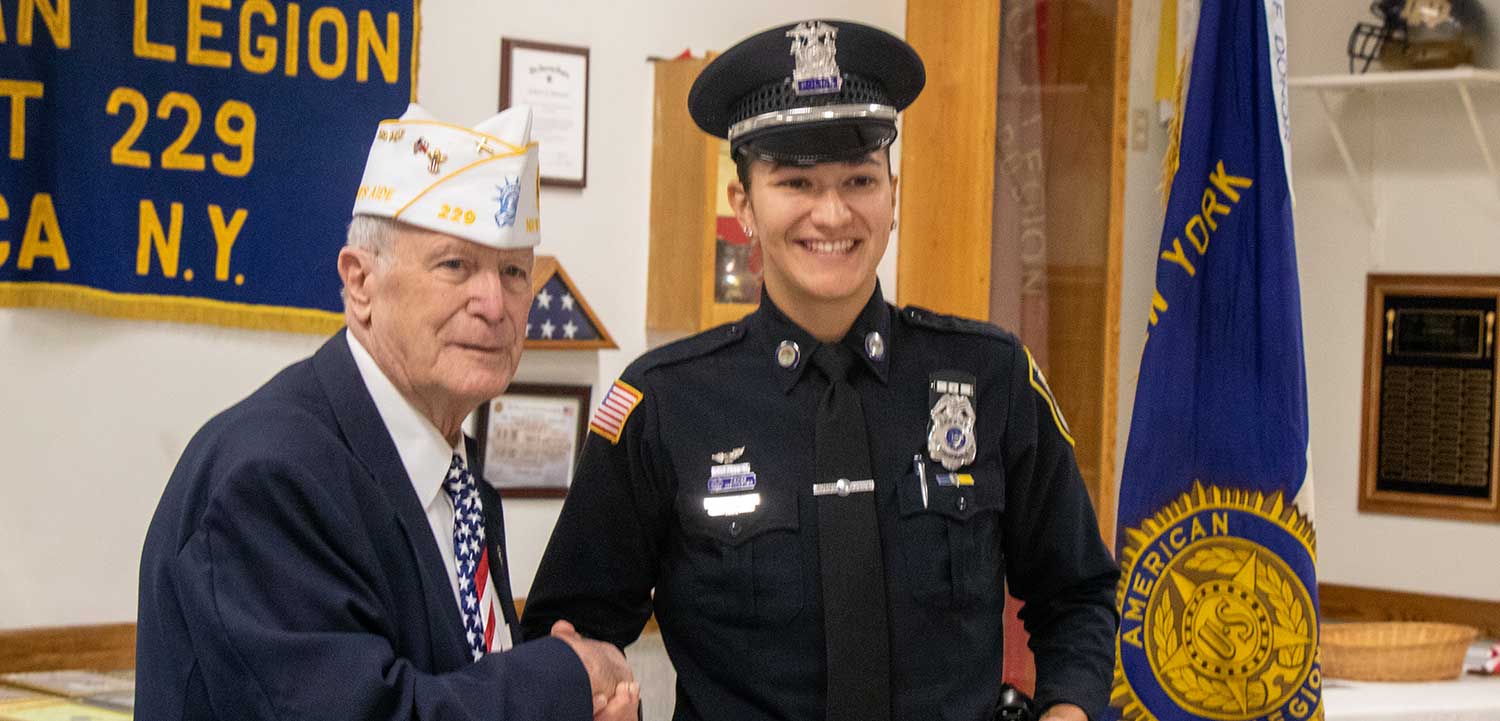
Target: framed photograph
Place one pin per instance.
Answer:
(1432, 399)
(529, 438)
(554, 81)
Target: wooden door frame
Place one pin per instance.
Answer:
(948, 182)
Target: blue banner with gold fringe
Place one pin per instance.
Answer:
(1218, 594)
(191, 161)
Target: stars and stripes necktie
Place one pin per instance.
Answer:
(484, 626)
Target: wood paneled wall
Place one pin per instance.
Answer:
(948, 158)
(96, 648)
(948, 190)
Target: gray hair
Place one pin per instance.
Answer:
(373, 234)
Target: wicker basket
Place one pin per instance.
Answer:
(1395, 651)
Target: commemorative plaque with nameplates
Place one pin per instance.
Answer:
(1430, 437)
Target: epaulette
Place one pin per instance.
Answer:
(954, 324)
(693, 346)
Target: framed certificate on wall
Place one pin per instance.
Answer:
(529, 438)
(554, 81)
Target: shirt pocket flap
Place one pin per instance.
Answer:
(734, 519)
(958, 495)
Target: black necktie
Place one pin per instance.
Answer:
(853, 575)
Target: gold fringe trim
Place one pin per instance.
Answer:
(136, 306)
(1164, 87)
(1173, 158)
(416, 45)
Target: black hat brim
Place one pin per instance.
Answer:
(765, 59)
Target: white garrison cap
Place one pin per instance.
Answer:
(478, 184)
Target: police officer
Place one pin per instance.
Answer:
(822, 502)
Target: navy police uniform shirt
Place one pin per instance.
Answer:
(693, 499)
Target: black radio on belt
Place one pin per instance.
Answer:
(1014, 705)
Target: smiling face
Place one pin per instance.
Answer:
(822, 228)
(444, 317)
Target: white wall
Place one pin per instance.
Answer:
(1437, 213)
(94, 412)
(600, 233)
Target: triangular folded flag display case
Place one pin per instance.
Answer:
(560, 319)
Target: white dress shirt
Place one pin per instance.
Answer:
(424, 452)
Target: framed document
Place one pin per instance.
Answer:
(1432, 399)
(529, 438)
(554, 81)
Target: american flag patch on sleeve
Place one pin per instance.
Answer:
(609, 419)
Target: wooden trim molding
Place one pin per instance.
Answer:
(1106, 499)
(112, 646)
(948, 158)
(107, 647)
(1337, 602)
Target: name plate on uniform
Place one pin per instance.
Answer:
(735, 505)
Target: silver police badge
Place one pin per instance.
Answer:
(950, 440)
(817, 71)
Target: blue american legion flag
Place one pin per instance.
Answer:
(1218, 595)
(556, 314)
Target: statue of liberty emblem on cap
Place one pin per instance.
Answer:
(817, 71)
(509, 199)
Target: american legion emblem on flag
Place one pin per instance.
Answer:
(1218, 593)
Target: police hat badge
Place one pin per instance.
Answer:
(808, 92)
(950, 433)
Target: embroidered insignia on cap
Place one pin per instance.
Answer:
(609, 419)
(817, 71)
(1039, 382)
(446, 178)
(509, 199)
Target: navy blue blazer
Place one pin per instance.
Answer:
(290, 573)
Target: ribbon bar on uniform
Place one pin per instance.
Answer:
(843, 487)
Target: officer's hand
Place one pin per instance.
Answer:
(1064, 712)
(603, 662)
(622, 706)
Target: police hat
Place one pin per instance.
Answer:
(809, 92)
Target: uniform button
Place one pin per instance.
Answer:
(874, 345)
(787, 354)
(734, 528)
(962, 504)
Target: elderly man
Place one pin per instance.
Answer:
(323, 549)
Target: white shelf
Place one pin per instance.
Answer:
(1460, 79)
(1396, 79)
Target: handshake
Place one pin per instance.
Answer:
(617, 696)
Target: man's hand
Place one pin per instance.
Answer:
(620, 707)
(606, 668)
(1064, 712)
